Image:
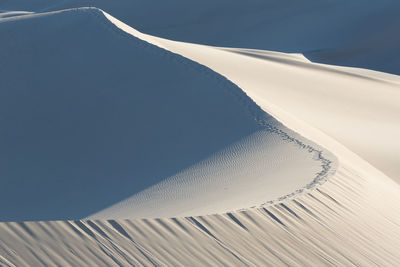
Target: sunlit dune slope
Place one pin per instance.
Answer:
(171, 162)
(341, 32)
(358, 108)
(92, 116)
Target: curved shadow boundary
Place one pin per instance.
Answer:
(328, 166)
(253, 111)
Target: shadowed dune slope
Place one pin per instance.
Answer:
(359, 108)
(91, 116)
(109, 127)
(350, 33)
(348, 221)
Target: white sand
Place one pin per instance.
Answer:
(352, 104)
(349, 220)
(352, 219)
(137, 132)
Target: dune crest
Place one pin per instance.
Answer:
(149, 151)
(136, 132)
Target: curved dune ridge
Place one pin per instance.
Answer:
(349, 33)
(123, 121)
(171, 163)
(347, 96)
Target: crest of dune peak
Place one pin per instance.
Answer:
(168, 133)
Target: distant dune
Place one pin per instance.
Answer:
(119, 147)
(341, 32)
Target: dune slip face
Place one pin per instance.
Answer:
(121, 148)
(342, 223)
(341, 32)
(124, 129)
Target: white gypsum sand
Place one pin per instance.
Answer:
(341, 32)
(137, 132)
(351, 103)
(351, 219)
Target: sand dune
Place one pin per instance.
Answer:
(131, 126)
(349, 33)
(351, 103)
(141, 126)
(347, 221)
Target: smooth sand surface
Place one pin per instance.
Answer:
(352, 104)
(314, 181)
(124, 129)
(341, 32)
